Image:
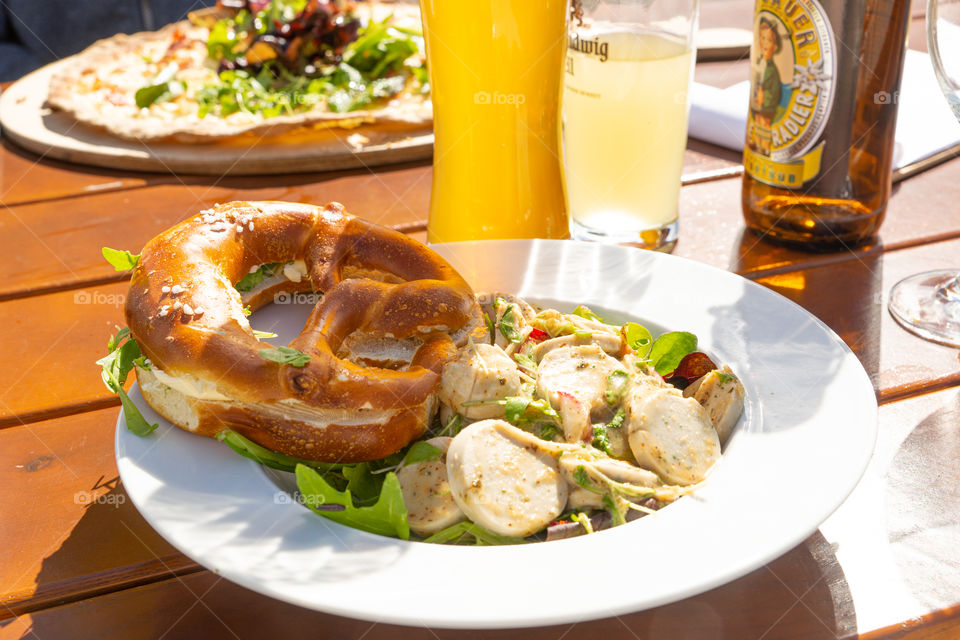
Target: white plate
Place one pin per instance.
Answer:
(805, 438)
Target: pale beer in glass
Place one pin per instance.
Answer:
(625, 120)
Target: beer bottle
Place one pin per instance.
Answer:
(823, 108)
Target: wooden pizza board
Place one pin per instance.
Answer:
(26, 119)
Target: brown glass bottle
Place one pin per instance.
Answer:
(818, 168)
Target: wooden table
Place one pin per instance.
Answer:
(79, 561)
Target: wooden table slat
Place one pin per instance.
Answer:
(75, 532)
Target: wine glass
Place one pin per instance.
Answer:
(928, 304)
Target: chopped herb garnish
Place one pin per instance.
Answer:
(285, 355)
(724, 378)
(617, 383)
(600, 438)
(617, 420)
(263, 335)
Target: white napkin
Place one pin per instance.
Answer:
(925, 123)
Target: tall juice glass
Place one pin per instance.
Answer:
(496, 77)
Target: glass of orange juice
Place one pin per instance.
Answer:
(496, 79)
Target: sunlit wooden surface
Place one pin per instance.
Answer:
(885, 565)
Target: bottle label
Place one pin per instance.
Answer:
(792, 73)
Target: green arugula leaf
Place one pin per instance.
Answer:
(255, 277)
(586, 313)
(637, 337)
(670, 348)
(515, 406)
(581, 478)
(453, 427)
(285, 355)
(387, 517)
(119, 259)
(616, 513)
(379, 49)
(362, 484)
(250, 449)
(421, 452)
(464, 532)
(154, 93)
(548, 431)
(132, 416)
(508, 325)
(617, 383)
(114, 369)
(114, 341)
(490, 327)
(525, 362)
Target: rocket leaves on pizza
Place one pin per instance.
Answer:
(254, 67)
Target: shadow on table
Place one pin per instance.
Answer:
(803, 594)
(844, 289)
(923, 533)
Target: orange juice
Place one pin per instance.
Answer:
(496, 80)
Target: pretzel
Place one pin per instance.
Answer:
(206, 372)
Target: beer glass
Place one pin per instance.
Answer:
(495, 75)
(628, 71)
(928, 304)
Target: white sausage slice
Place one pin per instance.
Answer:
(670, 434)
(574, 379)
(426, 493)
(505, 484)
(482, 372)
(721, 394)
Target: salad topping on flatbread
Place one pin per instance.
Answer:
(254, 66)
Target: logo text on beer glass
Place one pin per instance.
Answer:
(296, 297)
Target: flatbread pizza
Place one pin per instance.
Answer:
(260, 67)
